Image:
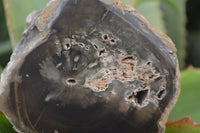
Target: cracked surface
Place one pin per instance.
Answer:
(79, 71)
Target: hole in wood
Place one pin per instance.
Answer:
(161, 94)
(112, 41)
(101, 52)
(140, 96)
(67, 46)
(105, 37)
(71, 81)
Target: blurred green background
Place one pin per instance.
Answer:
(179, 19)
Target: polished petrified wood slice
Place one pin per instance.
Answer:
(90, 66)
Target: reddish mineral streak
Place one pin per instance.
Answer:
(187, 121)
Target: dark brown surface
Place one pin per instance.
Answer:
(88, 66)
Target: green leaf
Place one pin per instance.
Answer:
(5, 52)
(185, 125)
(5, 47)
(16, 12)
(152, 11)
(174, 18)
(1, 69)
(3, 30)
(169, 17)
(188, 103)
(5, 126)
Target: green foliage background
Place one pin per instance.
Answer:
(177, 18)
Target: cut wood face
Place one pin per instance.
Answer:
(90, 66)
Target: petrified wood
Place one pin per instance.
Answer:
(90, 66)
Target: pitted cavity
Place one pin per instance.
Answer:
(66, 44)
(127, 69)
(110, 66)
(71, 81)
(139, 96)
(161, 93)
(109, 38)
(121, 68)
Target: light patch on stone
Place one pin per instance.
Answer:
(58, 46)
(53, 95)
(49, 70)
(124, 68)
(27, 75)
(58, 65)
(76, 58)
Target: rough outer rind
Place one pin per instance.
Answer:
(39, 32)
